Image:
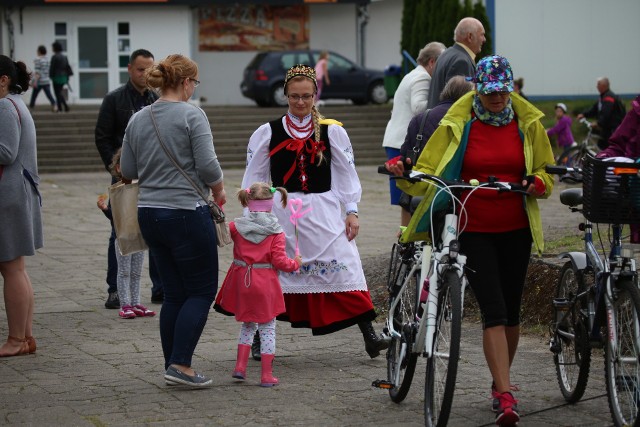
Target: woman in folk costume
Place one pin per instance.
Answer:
(313, 159)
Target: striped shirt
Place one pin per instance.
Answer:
(41, 67)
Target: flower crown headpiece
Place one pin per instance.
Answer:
(301, 70)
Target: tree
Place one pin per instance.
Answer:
(480, 13)
(424, 21)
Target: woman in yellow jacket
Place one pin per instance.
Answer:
(491, 132)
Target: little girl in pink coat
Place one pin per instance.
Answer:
(251, 290)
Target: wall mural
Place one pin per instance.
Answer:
(253, 27)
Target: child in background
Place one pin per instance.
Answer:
(322, 73)
(562, 129)
(129, 266)
(251, 290)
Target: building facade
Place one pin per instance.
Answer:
(99, 37)
(560, 47)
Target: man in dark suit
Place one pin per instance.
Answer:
(459, 59)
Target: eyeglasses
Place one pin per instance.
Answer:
(296, 98)
(196, 83)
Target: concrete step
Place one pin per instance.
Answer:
(66, 140)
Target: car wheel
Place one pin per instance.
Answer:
(377, 93)
(278, 98)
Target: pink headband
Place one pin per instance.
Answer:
(260, 205)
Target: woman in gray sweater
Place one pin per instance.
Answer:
(20, 220)
(174, 219)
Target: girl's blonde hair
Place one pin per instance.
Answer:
(115, 161)
(171, 72)
(261, 191)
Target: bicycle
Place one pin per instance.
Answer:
(426, 284)
(574, 155)
(597, 294)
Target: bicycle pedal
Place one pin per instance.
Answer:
(382, 384)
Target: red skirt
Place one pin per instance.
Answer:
(325, 313)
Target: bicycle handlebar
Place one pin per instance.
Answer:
(585, 122)
(493, 182)
(561, 170)
(567, 174)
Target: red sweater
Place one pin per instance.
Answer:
(494, 151)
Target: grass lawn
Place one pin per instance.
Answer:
(575, 107)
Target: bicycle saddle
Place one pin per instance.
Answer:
(571, 197)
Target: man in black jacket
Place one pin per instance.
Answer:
(608, 111)
(117, 108)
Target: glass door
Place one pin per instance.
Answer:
(93, 61)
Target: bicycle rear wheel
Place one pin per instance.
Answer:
(574, 157)
(401, 362)
(572, 352)
(622, 369)
(442, 366)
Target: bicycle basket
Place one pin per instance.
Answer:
(611, 191)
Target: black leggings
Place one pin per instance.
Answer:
(497, 268)
(57, 89)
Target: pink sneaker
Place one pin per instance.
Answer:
(507, 410)
(126, 312)
(140, 310)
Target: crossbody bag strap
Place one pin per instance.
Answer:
(419, 136)
(17, 110)
(173, 160)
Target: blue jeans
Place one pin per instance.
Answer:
(183, 245)
(393, 189)
(112, 263)
(36, 90)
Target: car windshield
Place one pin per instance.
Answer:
(339, 63)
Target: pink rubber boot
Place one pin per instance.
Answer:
(240, 371)
(267, 379)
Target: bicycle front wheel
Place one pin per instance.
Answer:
(621, 354)
(401, 362)
(442, 366)
(572, 352)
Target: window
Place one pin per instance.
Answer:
(60, 32)
(124, 50)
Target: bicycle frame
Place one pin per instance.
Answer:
(431, 263)
(601, 267)
(441, 259)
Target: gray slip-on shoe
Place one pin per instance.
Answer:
(176, 376)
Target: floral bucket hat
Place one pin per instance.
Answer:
(493, 74)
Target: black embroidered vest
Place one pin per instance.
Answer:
(304, 176)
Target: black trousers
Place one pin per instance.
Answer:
(497, 268)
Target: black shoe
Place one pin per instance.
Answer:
(255, 347)
(112, 301)
(157, 298)
(373, 343)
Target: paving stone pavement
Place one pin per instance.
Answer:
(93, 368)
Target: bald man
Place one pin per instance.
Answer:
(608, 111)
(459, 59)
